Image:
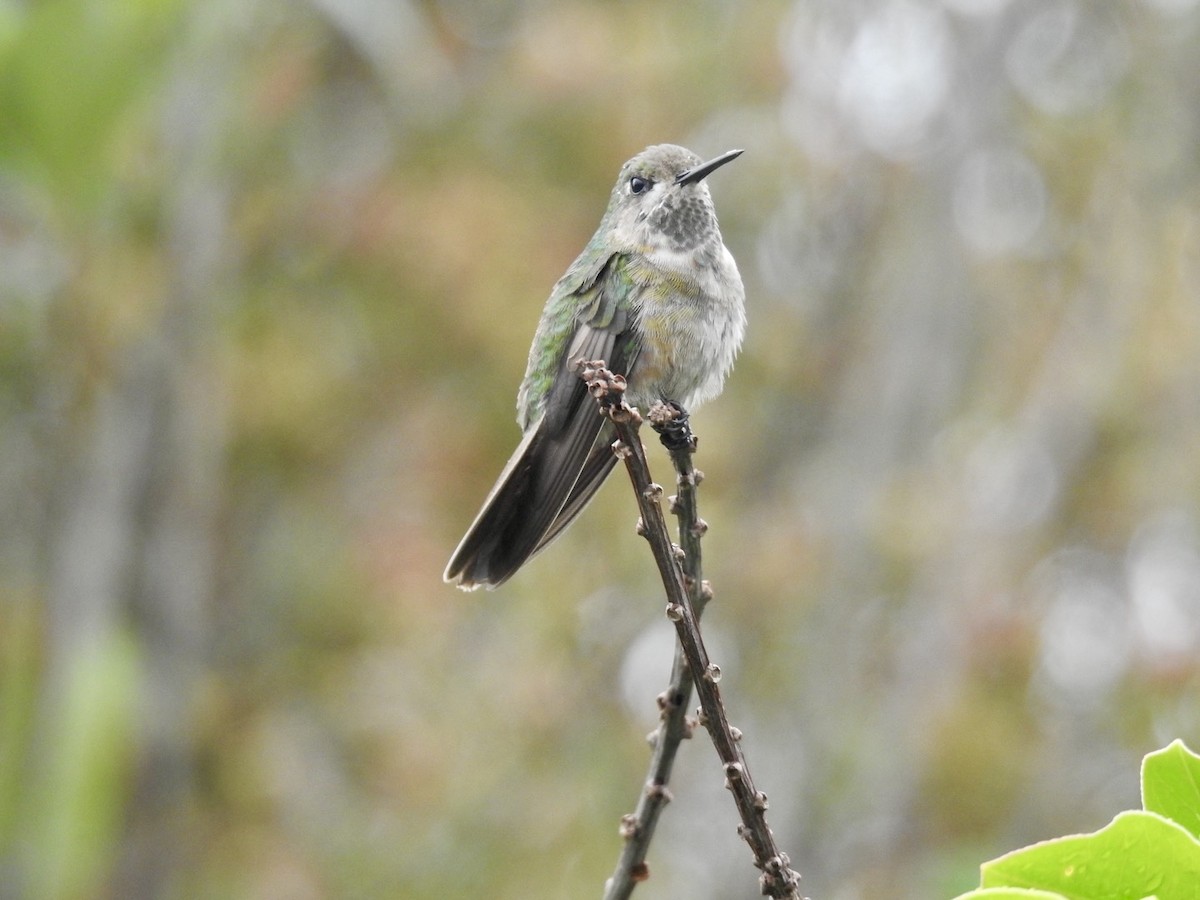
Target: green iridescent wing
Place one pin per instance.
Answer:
(563, 457)
(608, 315)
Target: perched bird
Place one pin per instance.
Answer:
(656, 295)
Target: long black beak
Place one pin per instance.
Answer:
(696, 173)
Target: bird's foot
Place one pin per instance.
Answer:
(671, 421)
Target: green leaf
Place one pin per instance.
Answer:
(1171, 785)
(1137, 855)
(1007, 893)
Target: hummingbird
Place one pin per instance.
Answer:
(658, 297)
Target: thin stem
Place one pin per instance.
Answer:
(778, 879)
(674, 726)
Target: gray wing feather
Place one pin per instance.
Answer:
(552, 474)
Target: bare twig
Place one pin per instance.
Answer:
(778, 879)
(674, 726)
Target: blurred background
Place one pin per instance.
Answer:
(268, 276)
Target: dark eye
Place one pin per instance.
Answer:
(639, 185)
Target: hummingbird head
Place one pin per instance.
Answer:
(660, 200)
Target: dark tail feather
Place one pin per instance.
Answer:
(599, 463)
(539, 491)
(553, 472)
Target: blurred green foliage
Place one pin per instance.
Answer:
(72, 74)
(268, 274)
